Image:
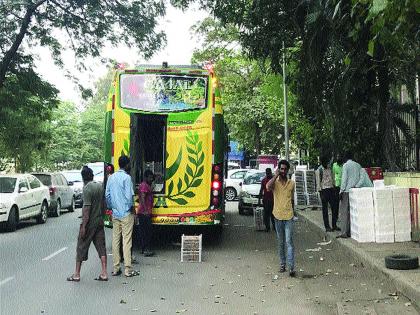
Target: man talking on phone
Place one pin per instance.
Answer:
(283, 192)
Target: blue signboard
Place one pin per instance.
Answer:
(235, 154)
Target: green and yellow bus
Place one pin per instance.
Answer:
(170, 120)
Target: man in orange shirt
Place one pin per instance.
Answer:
(283, 192)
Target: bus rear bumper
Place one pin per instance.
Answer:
(209, 217)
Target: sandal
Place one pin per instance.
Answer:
(73, 279)
(116, 273)
(132, 273)
(100, 278)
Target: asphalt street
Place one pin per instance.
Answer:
(238, 275)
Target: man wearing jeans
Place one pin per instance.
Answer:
(283, 191)
(119, 197)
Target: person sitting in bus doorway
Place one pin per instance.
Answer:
(268, 202)
(119, 197)
(283, 192)
(92, 227)
(144, 212)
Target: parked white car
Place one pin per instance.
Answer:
(251, 186)
(22, 196)
(233, 183)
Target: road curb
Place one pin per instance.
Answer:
(407, 289)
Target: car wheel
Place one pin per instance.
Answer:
(13, 219)
(42, 217)
(401, 262)
(71, 208)
(230, 193)
(58, 209)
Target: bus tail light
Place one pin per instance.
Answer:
(216, 185)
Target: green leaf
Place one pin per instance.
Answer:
(200, 146)
(347, 60)
(197, 182)
(378, 6)
(189, 171)
(174, 167)
(189, 194)
(196, 137)
(200, 159)
(179, 186)
(190, 151)
(200, 171)
(190, 140)
(180, 201)
(170, 188)
(371, 48)
(186, 179)
(192, 160)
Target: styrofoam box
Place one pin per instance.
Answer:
(378, 183)
(403, 237)
(384, 238)
(363, 238)
(402, 215)
(399, 192)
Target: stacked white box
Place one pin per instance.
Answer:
(362, 218)
(402, 215)
(384, 215)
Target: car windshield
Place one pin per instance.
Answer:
(44, 178)
(7, 185)
(254, 178)
(73, 177)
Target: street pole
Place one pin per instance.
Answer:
(286, 129)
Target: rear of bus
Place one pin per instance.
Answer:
(170, 121)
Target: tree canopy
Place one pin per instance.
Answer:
(351, 57)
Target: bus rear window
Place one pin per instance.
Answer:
(163, 92)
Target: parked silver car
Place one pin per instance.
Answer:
(61, 192)
(74, 177)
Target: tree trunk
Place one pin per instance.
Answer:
(257, 138)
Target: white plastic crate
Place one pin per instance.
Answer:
(191, 248)
(259, 218)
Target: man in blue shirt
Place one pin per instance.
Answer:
(349, 179)
(119, 197)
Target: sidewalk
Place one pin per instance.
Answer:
(406, 281)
